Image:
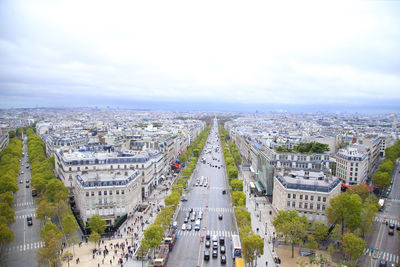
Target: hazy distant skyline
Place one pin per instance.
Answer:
(227, 55)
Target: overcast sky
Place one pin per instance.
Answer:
(261, 53)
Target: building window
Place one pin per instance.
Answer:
(99, 193)
(122, 192)
(306, 197)
(311, 206)
(323, 207)
(92, 194)
(288, 204)
(87, 194)
(324, 199)
(319, 198)
(105, 193)
(110, 193)
(300, 205)
(306, 205)
(318, 206)
(301, 196)
(294, 196)
(79, 168)
(112, 167)
(117, 192)
(288, 195)
(293, 204)
(312, 198)
(99, 200)
(125, 167)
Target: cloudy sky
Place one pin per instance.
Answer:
(259, 54)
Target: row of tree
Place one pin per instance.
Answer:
(383, 176)
(252, 244)
(312, 147)
(53, 203)
(153, 235)
(231, 167)
(352, 215)
(9, 170)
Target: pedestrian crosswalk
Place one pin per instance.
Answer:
(211, 209)
(200, 233)
(25, 247)
(24, 204)
(20, 217)
(382, 255)
(382, 220)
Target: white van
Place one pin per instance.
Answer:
(197, 225)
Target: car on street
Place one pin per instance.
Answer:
(222, 240)
(223, 259)
(27, 186)
(22, 172)
(183, 199)
(382, 263)
(27, 181)
(200, 216)
(214, 238)
(391, 231)
(175, 224)
(186, 220)
(391, 225)
(29, 220)
(220, 216)
(215, 245)
(183, 227)
(208, 236)
(222, 249)
(307, 253)
(189, 227)
(206, 255)
(398, 227)
(208, 244)
(20, 181)
(215, 253)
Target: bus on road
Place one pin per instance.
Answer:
(237, 248)
(381, 203)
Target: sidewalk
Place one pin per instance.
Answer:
(125, 234)
(260, 219)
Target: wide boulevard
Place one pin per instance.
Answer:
(188, 250)
(22, 251)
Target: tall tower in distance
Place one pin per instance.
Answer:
(393, 117)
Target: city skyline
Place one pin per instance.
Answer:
(221, 56)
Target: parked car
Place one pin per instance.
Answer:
(307, 253)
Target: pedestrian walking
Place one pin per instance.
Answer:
(266, 263)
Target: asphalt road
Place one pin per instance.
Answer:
(22, 251)
(188, 250)
(385, 246)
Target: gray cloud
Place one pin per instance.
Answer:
(260, 53)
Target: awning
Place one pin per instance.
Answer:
(251, 169)
(258, 187)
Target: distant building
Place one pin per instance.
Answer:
(352, 165)
(306, 192)
(4, 141)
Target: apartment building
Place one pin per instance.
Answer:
(352, 165)
(64, 143)
(109, 195)
(306, 192)
(102, 159)
(4, 141)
